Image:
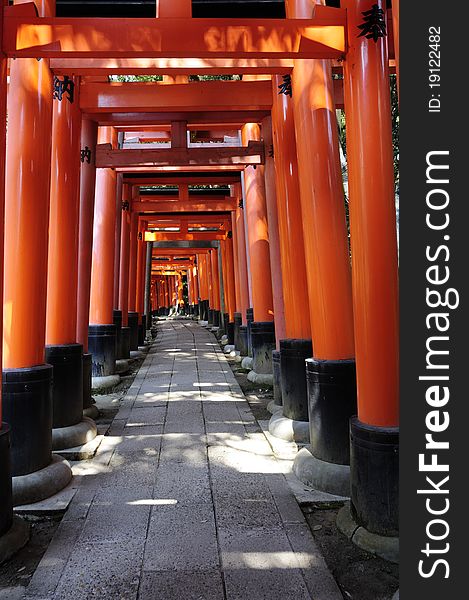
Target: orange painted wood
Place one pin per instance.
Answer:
(173, 8)
(62, 272)
(140, 275)
(168, 236)
(395, 29)
(242, 258)
(3, 113)
(195, 205)
(26, 209)
(134, 97)
(215, 264)
(252, 153)
(117, 243)
(322, 205)
(274, 241)
(237, 301)
(321, 37)
(170, 66)
(102, 270)
(230, 278)
(89, 132)
(372, 223)
(124, 262)
(258, 234)
(133, 263)
(292, 250)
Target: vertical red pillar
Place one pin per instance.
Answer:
(374, 500)
(6, 502)
(261, 334)
(102, 331)
(140, 277)
(27, 398)
(124, 256)
(292, 249)
(89, 134)
(242, 258)
(62, 351)
(274, 241)
(395, 30)
(332, 370)
(258, 233)
(132, 291)
(230, 278)
(117, 243)
(215, 271)
(195, 282)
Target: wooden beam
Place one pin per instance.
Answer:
(170, 66)
(166, 236)
(138, 97)
(195, 118)
(252, 154)
(148, 170)
(191, 179)
(179, 134)
(323, 36)
(190, 206)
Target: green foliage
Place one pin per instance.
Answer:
(133, 78)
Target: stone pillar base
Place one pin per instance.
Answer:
(42, 484)
(379, 545)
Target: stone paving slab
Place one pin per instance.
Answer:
(185, 498)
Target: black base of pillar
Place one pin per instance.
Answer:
(277, 380)
(142, 330)
(67, 384)
(195, 310)
(263, 343)
(102, 345)
(87, 399)
(210, 317)
(27, 408)
(216, 318)
(238, 321)
(249, 320)
(225, 319)
(230, 332)
(117, 320)
(133, 324)
(332, 400)
(6, 500)
(243, 340)
(293, 353)
(374, 477)
(125, 343)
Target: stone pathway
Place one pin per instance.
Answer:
(184, 499)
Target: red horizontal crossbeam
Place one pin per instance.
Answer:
(176, 236)
(323, 36)
(186, 97)
(193, 206)
(252, 154)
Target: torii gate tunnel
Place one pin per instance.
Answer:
(213, 188)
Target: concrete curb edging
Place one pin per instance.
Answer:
(379, 545)
(322, 475)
